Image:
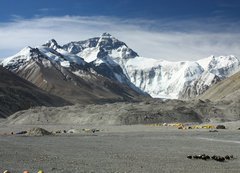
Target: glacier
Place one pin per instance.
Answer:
(159, 78)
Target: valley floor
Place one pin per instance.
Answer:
(136, 148)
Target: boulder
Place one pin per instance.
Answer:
(220, 127)
(38, 132)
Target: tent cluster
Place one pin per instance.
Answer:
(207, 126)
(188, 126)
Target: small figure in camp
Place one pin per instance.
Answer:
(25, 171)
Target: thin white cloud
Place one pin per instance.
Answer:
(155, 39)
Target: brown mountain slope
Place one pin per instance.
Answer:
(228, 89)
(73, 84)
(18, 94)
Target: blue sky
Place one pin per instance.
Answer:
(149, 9)
(166, 29)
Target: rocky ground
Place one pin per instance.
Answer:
(129, 113)
(122, 113)
(133, 148)
(118, 144)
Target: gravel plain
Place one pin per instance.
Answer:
(132, 148)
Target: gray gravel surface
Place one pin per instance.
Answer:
(135, 148)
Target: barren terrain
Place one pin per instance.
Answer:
(135, 148)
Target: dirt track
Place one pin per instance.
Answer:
(120, 149)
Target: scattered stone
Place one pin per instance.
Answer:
(201, 101)
(205, 157)
(208, 157)
(73, 131)
(195, 157)
(220, 127)
(38, 132)
(95, 130)
(58, 131)
(220, 159)
(91, 130)
(21, 132)
(227, 157)
(214, 157)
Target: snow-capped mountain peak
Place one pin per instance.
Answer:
(52, 44)
(106, 34)
(223, 66)
(97, 47)
(19, 59)
(108, 42)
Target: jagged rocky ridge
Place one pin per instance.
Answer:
(110, 58)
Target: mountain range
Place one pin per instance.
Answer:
(68, 76)
(106, 69)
